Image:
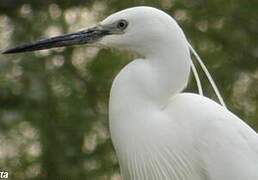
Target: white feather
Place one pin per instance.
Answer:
(160, 133)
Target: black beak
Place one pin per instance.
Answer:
(90, 35)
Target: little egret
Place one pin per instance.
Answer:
(160, 133)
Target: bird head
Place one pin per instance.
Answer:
(138, 29)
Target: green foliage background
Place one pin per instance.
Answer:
(53, 104)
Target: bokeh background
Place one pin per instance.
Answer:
(54, 104)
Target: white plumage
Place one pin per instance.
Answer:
(160, 133)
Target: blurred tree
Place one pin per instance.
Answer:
(53, 104)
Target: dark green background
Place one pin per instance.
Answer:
(53, 104)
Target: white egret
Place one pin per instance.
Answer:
(160, 133)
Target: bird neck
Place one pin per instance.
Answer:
(153, 80)
(144, 87)
(171, 70)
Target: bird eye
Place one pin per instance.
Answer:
(122, 24)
